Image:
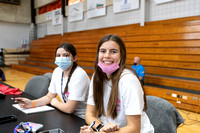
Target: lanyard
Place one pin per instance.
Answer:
(63, 95)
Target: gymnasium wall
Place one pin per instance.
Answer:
(12, 34)
(16, 13)
(153, 12)
(14, 24)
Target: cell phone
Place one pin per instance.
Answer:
(57, 130)
(7, 118)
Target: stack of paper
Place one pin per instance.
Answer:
(33, 110)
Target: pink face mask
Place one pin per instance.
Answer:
(108, 69)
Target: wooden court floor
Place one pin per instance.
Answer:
(19, 79)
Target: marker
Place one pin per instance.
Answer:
(17, 100)
(91, 125)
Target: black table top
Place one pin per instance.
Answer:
(50, 119)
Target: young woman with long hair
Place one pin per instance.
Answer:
(69, 81)
(116, 100)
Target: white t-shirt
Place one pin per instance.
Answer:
(77, 88)
(130, 101)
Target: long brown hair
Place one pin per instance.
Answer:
(70, 48)
(100, 77)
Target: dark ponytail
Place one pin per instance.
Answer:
(70, 74)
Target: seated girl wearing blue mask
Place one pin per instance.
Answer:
(116, 100)
(69, 81)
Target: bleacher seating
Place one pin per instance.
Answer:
(169, 51)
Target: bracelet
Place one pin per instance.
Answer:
(33, 104)
(99, 127)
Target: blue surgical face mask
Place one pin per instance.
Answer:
(63, 62)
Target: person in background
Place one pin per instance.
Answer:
(139, 69)
(69, 81)
(116, 101)
(2, 76)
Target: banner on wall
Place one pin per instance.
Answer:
(96, 8)
(57, 17)
(76, 12)
(48, 15)
(50, 7)
(162, 1)
(125, 5)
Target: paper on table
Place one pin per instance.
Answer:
(33, 110)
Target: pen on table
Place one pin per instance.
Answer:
(91, 125)
(17, 100)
